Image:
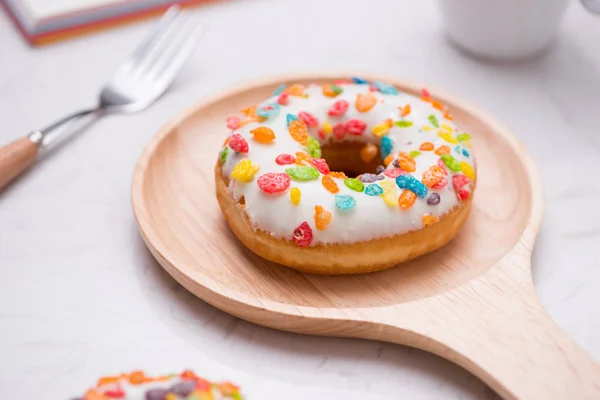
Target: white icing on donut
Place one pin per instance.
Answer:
(371, 218)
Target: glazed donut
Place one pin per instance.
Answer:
(137, 386)
(282, 176)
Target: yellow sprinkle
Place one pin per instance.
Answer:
(244, 171)
(389, 192)
(446, 127)
(327, 128)
(380, 129)
(467, 170)
(390, 199)
(447, 137)
(426, 128)
(467, 143)
(295, 196)
(388, 186)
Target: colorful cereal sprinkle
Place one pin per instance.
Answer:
(365, 102)
(451, 163)
(467, 170)
(385, 147)
(355, 127)
(303, 235)
(370, 178)
(233, 122)
(429, 220)
(434, 121)
(360, 81)
(368, 152)
(283, 99)
(273, 182)
(313, 147)
(403, 124)
(285, 159)
(338, 108)
(380, 129)
(330, 184)
(354, 184)
(373, 190)
(385, 88)
(434, 199)
(344, 201)
(426, 146)
(322, 218)
(302, 173)
(442, 150)
(321, 165)
(414, 153)
(332, 90)
(411, 183)
(244, 171)
(268, 110)
(238, 143)
(458, 181)
(223, 155)
(406, 162)
(339, 175)
(295, 195)
(407, 199)
(404, 111)
(339, 130)
(263, 134)
(289, 118)
(298, 131)
(447, 136)
(279, 89)
(461, 137)
(389, 193)
(309, 119)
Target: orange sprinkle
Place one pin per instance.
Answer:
(442, 150)
(302, 158)
(404, 111)
(250, 112)
(388, 160)
(328, 91)
(322, 218)
(437, 105)
(368, 152)
(295, 90)
(429, 220)
(433, 175)
(263, 134)
(339, 175)
(105, 380)
(365, 102)
(137, 377)
(330, 184)
(426, 146)
(93, 395)
(226, 141)
(406, 162)
(389, 122)
(406, 199)
(299, 131)
(228, 388)
(448, 116)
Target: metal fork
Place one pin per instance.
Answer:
(136, 84)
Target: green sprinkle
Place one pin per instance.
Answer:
(354, 184)
(434, 121)
(313, 147)
(302, 173)
(336, 89)
(403, 123)
(451, 162)
(463, 136)
(414, 153)
(223, 155)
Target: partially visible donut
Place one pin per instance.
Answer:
(138, 386)
(278, 191)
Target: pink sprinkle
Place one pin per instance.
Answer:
(283, 99)
(233, 122)
(425, 93)
(338, 108)
(355, 127)
(309, 119)
(339, 130)
(394, 172)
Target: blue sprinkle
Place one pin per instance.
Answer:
(374, 190)
(344, 202)
(385, 147)
(360, 81)
(411, 183)
(290, 118)
(279, 90)
(385, 88)
(457, 149)
(268, 110)
(465, 153)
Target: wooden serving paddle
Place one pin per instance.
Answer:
(472, 301)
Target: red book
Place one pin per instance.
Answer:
(45, 21)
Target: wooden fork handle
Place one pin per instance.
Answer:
(15, 158)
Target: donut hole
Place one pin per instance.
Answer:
(345, 157)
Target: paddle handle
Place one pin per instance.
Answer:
(502, 334)
(15, 158)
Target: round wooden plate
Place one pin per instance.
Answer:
(472, 301)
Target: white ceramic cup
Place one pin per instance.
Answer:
(503, 29)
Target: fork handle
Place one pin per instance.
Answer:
(16, 157)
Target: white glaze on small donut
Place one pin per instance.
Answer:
(371, 218)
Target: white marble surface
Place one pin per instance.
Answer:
(79, 294)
